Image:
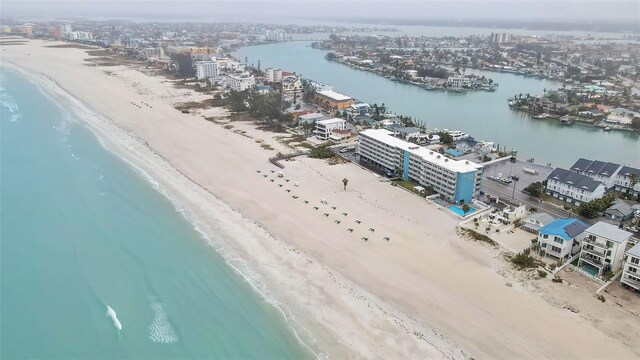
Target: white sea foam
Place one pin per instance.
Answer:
(160, 330)
(112, 314)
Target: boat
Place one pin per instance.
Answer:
(607, 129)
(566, 121)
(541, 116)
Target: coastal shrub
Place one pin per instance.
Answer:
(474, 235)
(592, 208)
(607, 275)
(601, 298)
(557, 280)
(535, 189)
(321, 152)
(524, 261)
(542, 273)
(553, 267)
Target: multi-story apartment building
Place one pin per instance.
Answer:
(457, 181)
(324, 128)
(206, 69)
(153, 53)
(561, 237)
(573, 187)
(603, 247)
(631, 270)
(241, 82)
(597, 170)
(273, 75)
(332, 99)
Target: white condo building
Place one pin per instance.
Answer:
(241, 82)
(324, 128)
(206, 69)
(631, 271)
(273, 75)
(459, 81)
(603, 247)
(455, 180)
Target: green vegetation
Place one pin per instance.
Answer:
(445, 138)
(535, 189)
(607, 275)
(524, 260)
(542, 273)
(601, 298)
(557, 280)
(474, 235)
(321, 152)
(592, 208)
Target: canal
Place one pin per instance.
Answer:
(484, 115)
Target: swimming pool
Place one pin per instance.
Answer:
(456, 209)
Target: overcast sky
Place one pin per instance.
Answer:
(212, 10)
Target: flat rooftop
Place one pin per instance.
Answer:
(434, 157)
(330, 121)
(334, 95)
(608, 231)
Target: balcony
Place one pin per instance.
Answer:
(594, 251)
(629, 280)
(595, 243)
(591, 259)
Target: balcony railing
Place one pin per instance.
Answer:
(630, 280)
(595, 243)
(591, 259)
(593, 251)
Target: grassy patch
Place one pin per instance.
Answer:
(193, 105)
(321, 152)
(102, 52)
(475, 236)
(542, 273)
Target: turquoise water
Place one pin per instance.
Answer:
(485, 115)
(458, 210)
(80, 231)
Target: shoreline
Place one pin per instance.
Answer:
(134, 156)
(367, 300)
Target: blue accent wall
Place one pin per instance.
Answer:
(405, 166)
(464, 187)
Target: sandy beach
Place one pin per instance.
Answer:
(425, 293)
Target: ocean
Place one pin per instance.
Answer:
(95, 263)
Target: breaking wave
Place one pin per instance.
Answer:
(112, 314)
(160, 330)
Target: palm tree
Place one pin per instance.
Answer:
(465, 209)
(345, 181)
(634, 181)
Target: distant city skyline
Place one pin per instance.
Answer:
(296, 11)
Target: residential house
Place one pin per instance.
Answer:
(603, 248)
(532, 223)
(597, 170)
(406, 133)
(509, 213)
(291, 85)
(619, 211)
(324, 128)
(361, 108)
(338, 135)
(625, 178)
(631, 268)
(310, 118)
(561, 237)
(573, 187)
(621, 116)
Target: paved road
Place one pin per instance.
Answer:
(504, 192)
